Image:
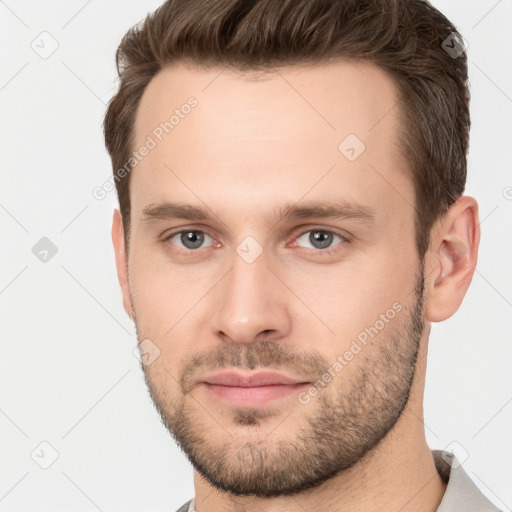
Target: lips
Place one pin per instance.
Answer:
(251, 390)
(231, 378)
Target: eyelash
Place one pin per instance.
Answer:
(325, 252)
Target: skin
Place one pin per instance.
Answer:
(254, 145)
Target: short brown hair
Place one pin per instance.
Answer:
(409, 39)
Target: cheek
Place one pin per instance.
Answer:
(350, 297)
(162, 292)
(168, 300)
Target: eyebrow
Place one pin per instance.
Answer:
(339, 209)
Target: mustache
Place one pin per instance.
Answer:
(263, 355)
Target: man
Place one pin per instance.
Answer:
(290, 177)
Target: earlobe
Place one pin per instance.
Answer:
(118, 239)
(452, 259)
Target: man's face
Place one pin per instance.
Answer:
(263, 280)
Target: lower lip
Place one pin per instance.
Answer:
(253, 396)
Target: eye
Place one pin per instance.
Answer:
(189, 239)
(319, 239)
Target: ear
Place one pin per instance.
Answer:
(451, 259)
(121, 260)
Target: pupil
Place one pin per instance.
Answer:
(192, 239)
(320, 239)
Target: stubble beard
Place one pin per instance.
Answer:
(349, 421)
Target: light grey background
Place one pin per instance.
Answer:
(68, 373)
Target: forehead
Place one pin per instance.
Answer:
(330, 128)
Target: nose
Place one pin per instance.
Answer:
(251, 303)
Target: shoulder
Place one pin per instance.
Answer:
(185, 507)
(461, 492)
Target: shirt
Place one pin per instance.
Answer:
(461, 494)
